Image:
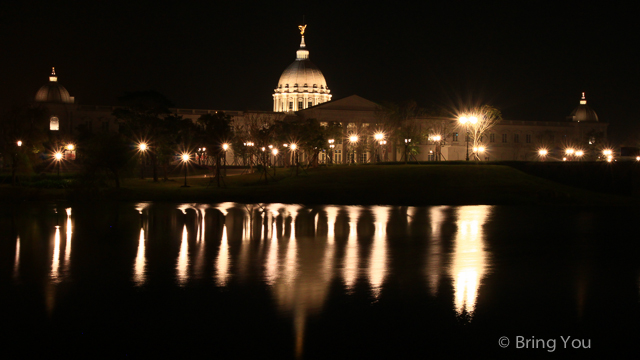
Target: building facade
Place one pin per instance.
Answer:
(302, 92)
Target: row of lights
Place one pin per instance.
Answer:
(608, 153)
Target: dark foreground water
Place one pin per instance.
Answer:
(281, 281)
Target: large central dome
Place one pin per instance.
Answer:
(301, 85)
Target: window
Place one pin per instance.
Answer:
(492, 138)
(54, 123)
(291, 105)
(504, 138)
(455, 136)
(516, 138)
(310, 104)
(300, 105)
(528, 139)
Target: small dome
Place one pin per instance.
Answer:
(583, 112)
(53, 92)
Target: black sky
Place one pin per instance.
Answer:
(532, 60)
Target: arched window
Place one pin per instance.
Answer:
(54, 123)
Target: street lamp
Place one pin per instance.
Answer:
(331, 146)
(378, 137)
(275, 160)
(353, 139)
(436, 139)
(467, 121)
(608, 153)
(186, 157)
(295, 156)
(19, 143)
(225, 147)
(579, 154)
(58, 158)
(143, 149)
(406, 154)
(569, 153)
(543, 154)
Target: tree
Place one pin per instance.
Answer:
(107, 152)
(215, 130)
(400, 122)
(26, 124)
(487, 117)
(141, 120)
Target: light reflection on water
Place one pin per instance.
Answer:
(298, 252)
(469, 259)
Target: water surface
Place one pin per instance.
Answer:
(231, 280)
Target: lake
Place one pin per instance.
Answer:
(287, 281)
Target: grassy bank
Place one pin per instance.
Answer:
(393, 185)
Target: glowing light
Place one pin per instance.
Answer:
(481, 149)
(142, 147)
(186, 157)
(55, 263)
(57, 156)
(569, 151)
(475, 149)
(353, 138)
(183, 258)
(378, 136)
(543, 152)
(138, 267)
(294, 147)
(378, 258)
(19, 142)
(607, 152)
(579, 153)
(437, 138)
(473, 119)
(637, 158)
(350, 267)
(469, 257)
(70, 147)
(274, 152)
(222, 265)
(463, 119)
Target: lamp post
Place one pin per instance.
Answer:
(543, 154)
(143, 150)
(383, 144)
(185, 159)
(331, 146)
(58, 158)
(378, 137)
(225, 147)
(275, 160)
(437, 139)
(406, 146)
(569, 153)
(295, 156)
(467, 121)
(608, 153)
(353, 139)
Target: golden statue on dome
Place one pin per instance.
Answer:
(302, 27)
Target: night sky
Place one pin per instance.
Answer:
(531, 60)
